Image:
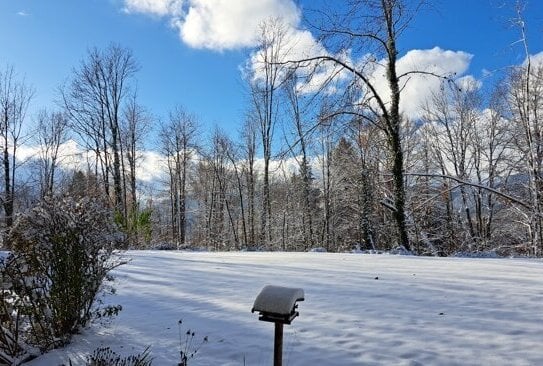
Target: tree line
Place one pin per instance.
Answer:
(336, 166)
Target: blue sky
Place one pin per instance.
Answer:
(190, 51)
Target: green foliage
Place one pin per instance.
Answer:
(144, 225)
(119, 220)
(140, 226)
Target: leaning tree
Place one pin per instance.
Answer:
(370, 27)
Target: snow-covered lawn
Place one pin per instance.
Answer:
(359, 310)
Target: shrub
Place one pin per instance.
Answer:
(104, 356)
(62, 252)
(164, 246)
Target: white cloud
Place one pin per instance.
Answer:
(72, 156)
(326, 74)
(217, 24)
(154, 7)
(285, 168)
(226, 24)
(536, 60)
(23, 13)
(417, 88)
(151, 167)
(468, 83)
(290, 45)
(293, 44)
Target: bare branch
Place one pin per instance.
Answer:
(468, 183)
(351, 69)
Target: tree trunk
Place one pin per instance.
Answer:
(394, 127)
(8, 194)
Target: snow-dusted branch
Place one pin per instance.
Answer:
(472, 184)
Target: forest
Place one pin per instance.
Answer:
(325, 159)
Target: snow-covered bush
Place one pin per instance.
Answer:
(62, 251)
(13, 348)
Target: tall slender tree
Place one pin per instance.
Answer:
(94, 100)
(136, 124)
(52, 132)
(15, 97)
(249, 137)
(178, 140)
(301, 139)
(265, 80)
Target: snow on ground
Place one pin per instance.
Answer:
(359, 310)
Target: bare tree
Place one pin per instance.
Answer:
(249, 138)
(94, 100)
(373, 25)
(526, 100)
(136, 124)
(233, 155)
(210, 183)
(224, 168)
(492, 150)
(525, 96)
(266, 79)
(453, 116)
(52, 132)
(178, 141)
(326, 141)
(15, 96)
(302, 137)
